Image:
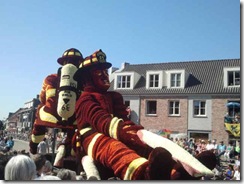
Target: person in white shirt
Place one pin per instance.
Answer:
(210, 145)
(43, 147)
(237, 173)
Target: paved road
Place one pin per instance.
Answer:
(21, 145)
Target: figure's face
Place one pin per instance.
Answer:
(100, 79)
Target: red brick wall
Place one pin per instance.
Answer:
(219, 110)
(163, 120)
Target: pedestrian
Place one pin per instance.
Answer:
(39, 161)
(229, 172)
(229, 150)
(20, 167)
(43, 147)
(9, 144)
(237, 173)
(221, 149)
(128, 110)
(66, 174)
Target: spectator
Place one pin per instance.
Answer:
(221, 149)
(228, 151)
(48, 177)
(128, 110)
(66, 174)
(229, 173)
(47, 170)
(209, 145)
(9, 144)
(3, 161)
(20, 167)
(237, 148)
(237, 174)
(43, 147)
(39, 161)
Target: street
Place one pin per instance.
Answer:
(21, 145)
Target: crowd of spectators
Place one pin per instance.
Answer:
(21, 166)
(229, 154)
(13, 164)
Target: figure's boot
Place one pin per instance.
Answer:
(160, 164)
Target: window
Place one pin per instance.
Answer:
(174, 108)
(233, 78)
(151, 107)
(127, 103)
(175, 80)
(123, 81)
(153, 80)
(199, 108)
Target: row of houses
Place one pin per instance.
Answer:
(22, 120)
(183, 97)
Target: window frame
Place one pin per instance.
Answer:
(176, 80)
(227, 71)
(148, 106)
(160, 79)
(174, 107)
(200, 108)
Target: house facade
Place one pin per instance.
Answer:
(184, 97)
(22, 120)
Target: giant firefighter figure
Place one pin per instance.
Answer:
(109, 137)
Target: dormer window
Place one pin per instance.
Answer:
(176, 78)
(232, 77)
(124, 82)
(154, 79)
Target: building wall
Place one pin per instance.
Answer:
(135, 108)
(219, 110)
(162, 120)
(200, 123)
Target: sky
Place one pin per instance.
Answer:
(34, 34)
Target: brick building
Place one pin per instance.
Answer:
(184, 97)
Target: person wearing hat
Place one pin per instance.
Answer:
(106, 133)
(51, 96)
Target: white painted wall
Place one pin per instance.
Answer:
(200, 123)
(135, 107)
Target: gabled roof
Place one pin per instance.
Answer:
(206, 77)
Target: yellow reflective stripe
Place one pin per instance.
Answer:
(37, 138)
(88, 61)
(44, 116)
(94, 59)
(92, 143)
(133, 166)
(71, 53)
(50, 93)
(84, 130)
(113, 127)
